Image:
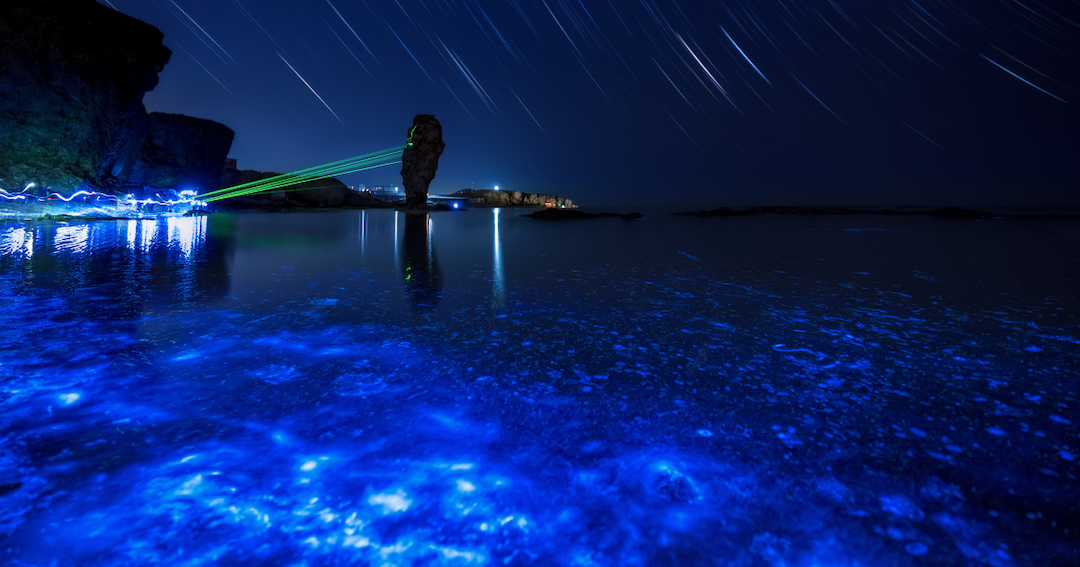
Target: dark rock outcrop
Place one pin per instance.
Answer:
(72, 77)
(182, 152)
(420, 159)
(571, 214)
(771, 210)
(328, 193)
(958, 213)
(493, 198)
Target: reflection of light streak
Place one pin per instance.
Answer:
(363, 232)
(430, 251)
(397, 251)
(147, 229)
(72, 238)
(186, 233)
(17, 242)
(132, 226)
(498, 291)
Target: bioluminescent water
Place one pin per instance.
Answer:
(478, 388)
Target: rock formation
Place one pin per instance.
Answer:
(572, 214)
(420, 159)
(181, 152)
(72, 78)
(512, 198)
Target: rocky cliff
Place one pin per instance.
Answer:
(181, 152)
(72, 77)
(420, 159)
(512, 198)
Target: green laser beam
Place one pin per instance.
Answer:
(336, 168)
(278, 182)
(288, 181)
(312, 172)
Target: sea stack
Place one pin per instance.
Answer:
(420, 159)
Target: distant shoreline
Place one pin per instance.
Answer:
(942, 212)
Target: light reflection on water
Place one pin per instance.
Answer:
(361, 388)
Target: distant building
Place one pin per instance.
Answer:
(387, 192)
(230, 164)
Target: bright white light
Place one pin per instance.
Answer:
(186, 233)
(149, 231)
(69, 399)
(395, 502)
(496, 187)
(465, 486)
(468, 556)
(132, 227)
(17, 241)
(309, 466)
(189, 487)
(72, 238)
(357, 541)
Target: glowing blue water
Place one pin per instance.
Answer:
(477, 388)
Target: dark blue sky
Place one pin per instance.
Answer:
(692, 103)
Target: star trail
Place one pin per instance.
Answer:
(646, 101)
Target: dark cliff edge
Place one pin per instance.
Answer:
(72, 78)
(181, 152)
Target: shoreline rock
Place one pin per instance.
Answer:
(420, 160)
(572, 214)
(492, 198)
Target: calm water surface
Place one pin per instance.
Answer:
(479, 388)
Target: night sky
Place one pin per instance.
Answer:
(630, 102)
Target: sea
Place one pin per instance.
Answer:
(460, 388)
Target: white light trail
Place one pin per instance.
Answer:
(312, 90)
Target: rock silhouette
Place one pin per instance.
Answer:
(420, 159)
(72, 78)
(182, 152)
